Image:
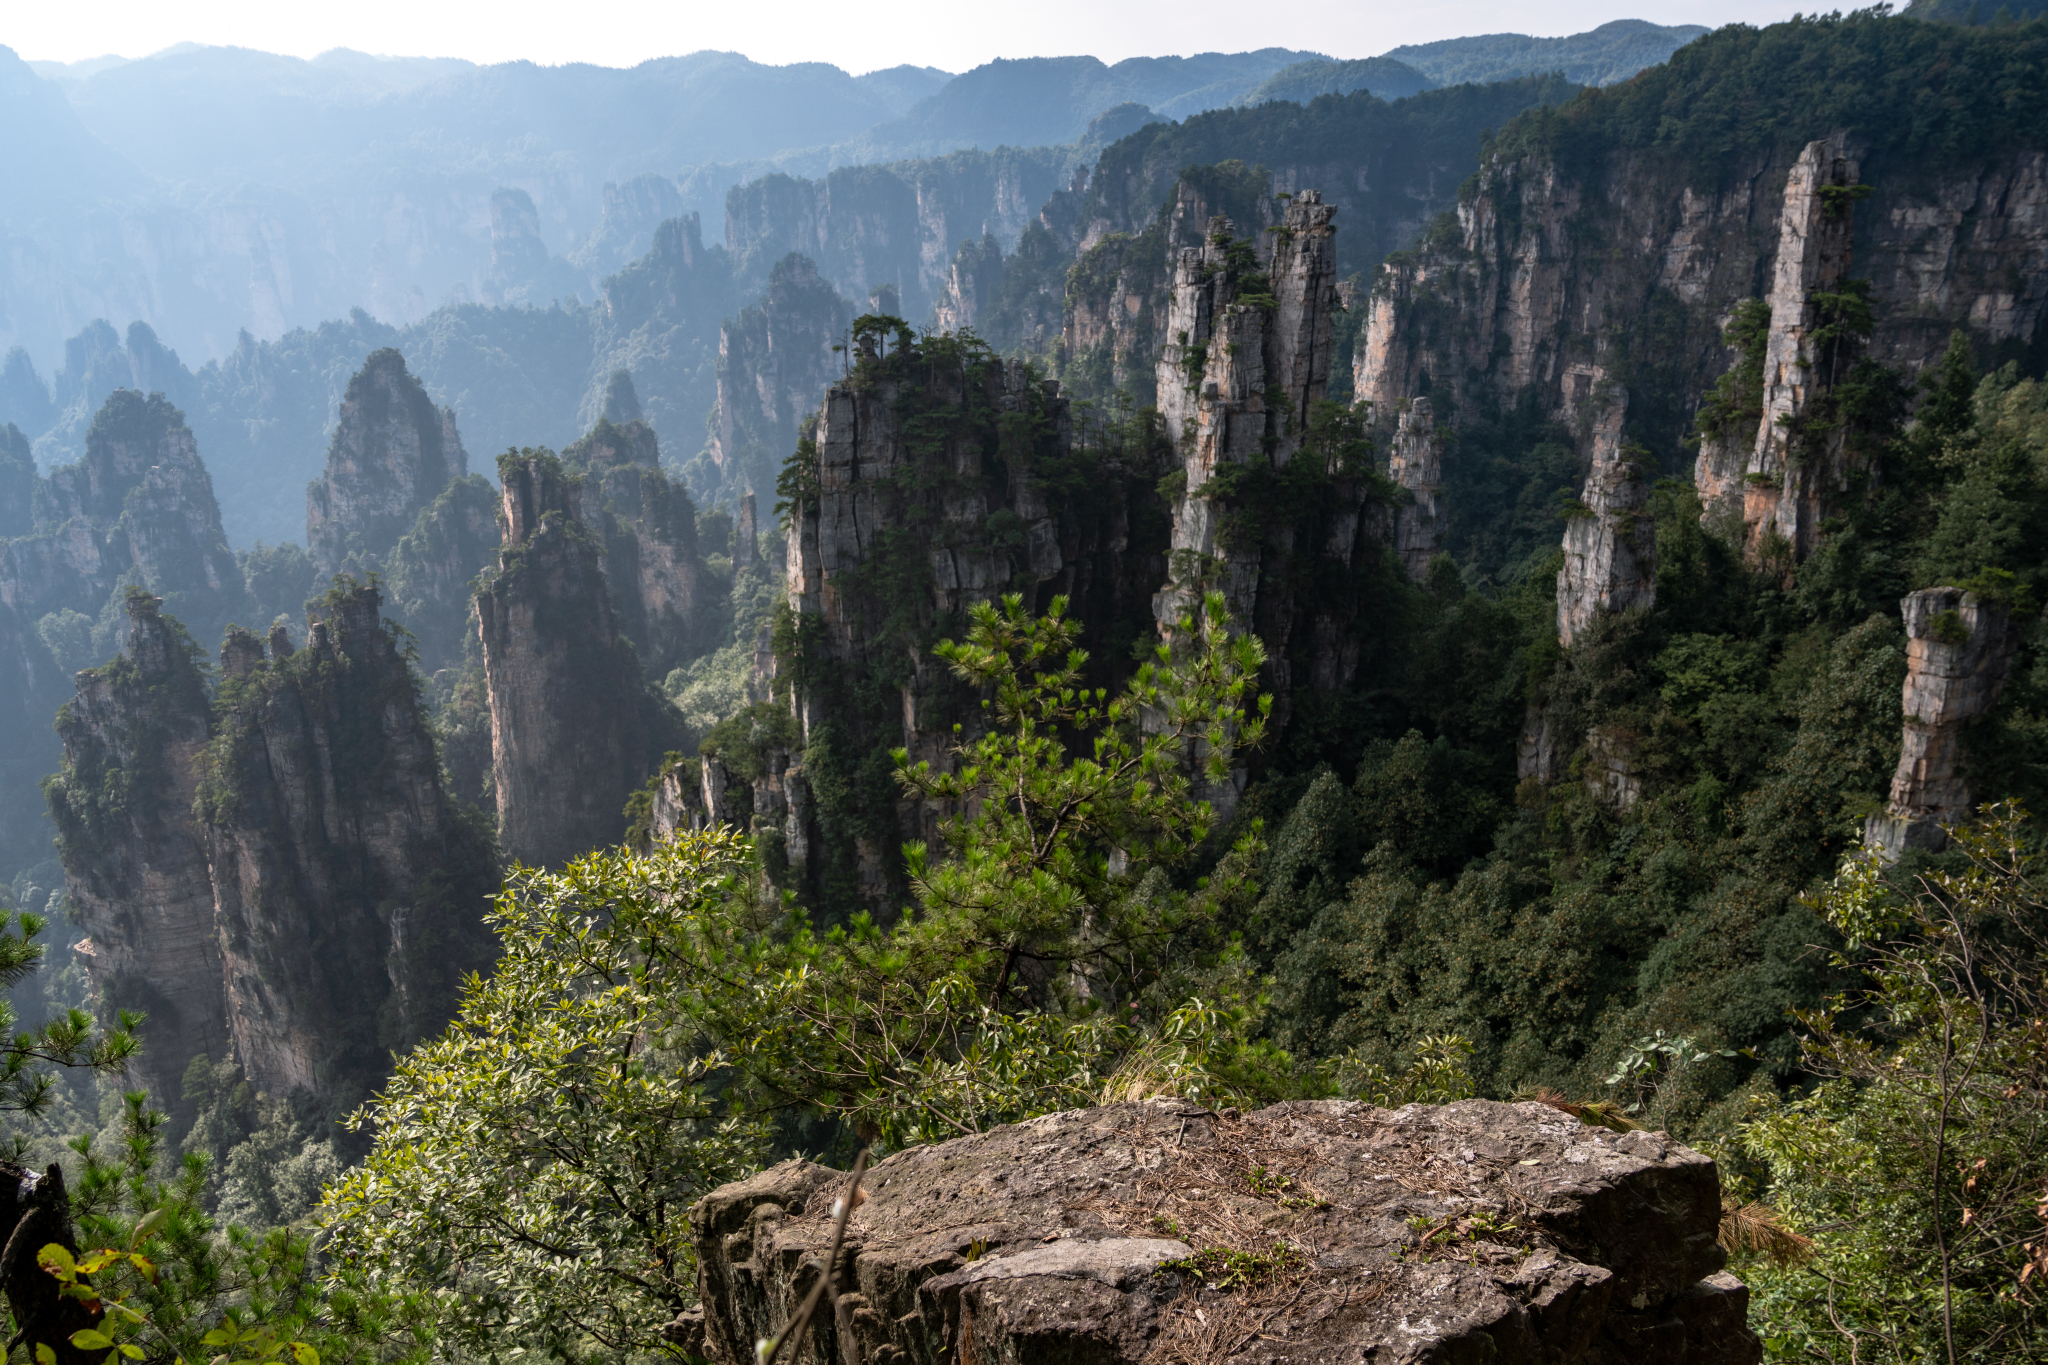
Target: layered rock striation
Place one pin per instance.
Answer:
(273, 873)
(1118, 318)
(1274, 486)
(1610, 542)
(348, 893)
(1470, 1231)
(574, 729)
(1415, 461)
(134, 855)
(971, 283)
(1782, 479)
(1959, 651)
(939, 477)
(393, 452)
(1629, 257)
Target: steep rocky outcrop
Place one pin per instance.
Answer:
(393, 452)
(621, 399)
(17, 483)
(648, 523)
(348, 894)
(574, 730)
(1610, 543)
(632, 211)
(521, 271)
(97, 362)
(1120, 295)
(135, 864)
(1274, 492)
(138, 508)
(970, 284)
(1593, 241)
(939, 477)
(24, 398)
(677, 802)
(1959, 651)
(1782, 480)
(1415, 461)
(898, 222)
(1470, 1231)
(275, 873)
(429, 571)
(32, 687)
(774, 359)
(659, 320)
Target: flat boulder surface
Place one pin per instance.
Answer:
(1309, 1232)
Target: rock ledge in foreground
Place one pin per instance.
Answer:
(1307, 1232)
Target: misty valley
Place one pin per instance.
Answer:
(1241, 707)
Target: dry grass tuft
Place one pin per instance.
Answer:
(1754, 1230)
(1593, 1113)
(1232, 1198)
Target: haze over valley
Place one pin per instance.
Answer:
(1245, 705)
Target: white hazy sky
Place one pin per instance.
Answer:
(859, 36)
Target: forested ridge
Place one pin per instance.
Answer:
(988, 798)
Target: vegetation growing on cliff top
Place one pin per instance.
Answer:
(1911, 93)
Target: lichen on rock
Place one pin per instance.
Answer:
(1317, 1230)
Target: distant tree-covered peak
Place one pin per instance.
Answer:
(1612, 52)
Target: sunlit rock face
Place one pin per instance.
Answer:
(1245, 365)
(1071, 1237)
(1959, 652)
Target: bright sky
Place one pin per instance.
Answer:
(953, 34)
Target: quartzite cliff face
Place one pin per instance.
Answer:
(348, 895)
(648, 522)
(1415, 461)
(774, 359)
(1629, 265)
(429, 571)
(1269, 498)
(1610, 543)
(899, 223)
(134, 856)
(939, 478)
(1959, 652)
(1071, 1237)
(1782, 480)
(392, 454)
(283, 875)
(138, 508)
(574, 729)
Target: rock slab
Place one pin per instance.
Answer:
(1308, 1231)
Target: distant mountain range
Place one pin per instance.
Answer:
(209, 191)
